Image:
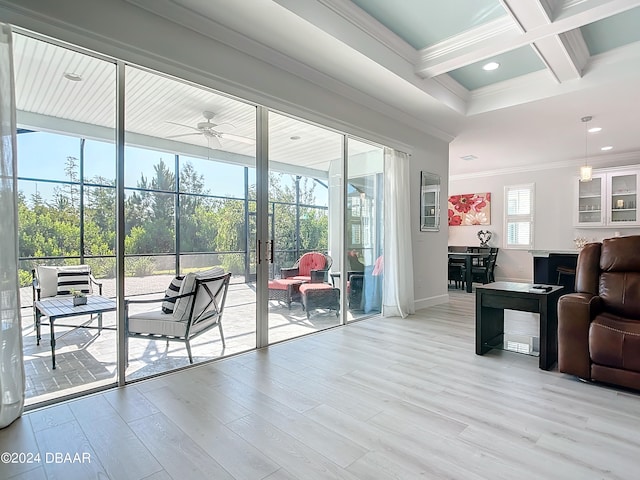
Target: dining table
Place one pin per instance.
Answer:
(468, 258)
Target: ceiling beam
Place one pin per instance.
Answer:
(524, 26)
(565, 54)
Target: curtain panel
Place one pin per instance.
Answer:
(12, 380)
(398, 296)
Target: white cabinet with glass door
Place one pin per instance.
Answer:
(609, 200)
(591, 202)
(623, 198)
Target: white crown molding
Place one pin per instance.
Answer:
(576, 49)
(601, 161)
(551, 7)
(451, 85)
(470, 37)
(468, 47)
(176, 13)
(372, 27)
(512, 92)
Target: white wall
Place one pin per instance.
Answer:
(553, 222)
(121, 30)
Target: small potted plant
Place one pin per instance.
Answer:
(79, 298)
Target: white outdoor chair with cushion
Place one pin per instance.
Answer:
(50, 281)
(198, 307)
(56, 280)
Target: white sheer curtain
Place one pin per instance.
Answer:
(11, 363)
(397, 297)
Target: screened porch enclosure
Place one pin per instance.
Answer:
(190, 181)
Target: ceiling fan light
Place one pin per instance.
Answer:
(586, 172)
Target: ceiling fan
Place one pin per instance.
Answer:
(212, 131)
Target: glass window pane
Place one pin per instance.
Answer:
(150, 222)
(99, 162)
(149, 169)
(100, 221)
(49, 156)
(211, 176)
(49, 219)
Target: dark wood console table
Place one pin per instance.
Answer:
(494, 298)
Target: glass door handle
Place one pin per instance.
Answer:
(272, 250)
(259, 250)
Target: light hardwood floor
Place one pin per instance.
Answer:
(383, 398)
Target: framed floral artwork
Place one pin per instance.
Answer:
(470, 209)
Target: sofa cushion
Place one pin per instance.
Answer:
(182, 307)
(311, 261)
(614, 341)
(620, 292)
(157, 323)
(48, 280)
(620, 254)
(173, 290)
(76, 278)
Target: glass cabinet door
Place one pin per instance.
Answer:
(623, 198)
(591, 202)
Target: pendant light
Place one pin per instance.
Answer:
(586, 170)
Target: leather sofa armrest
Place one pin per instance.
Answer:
(575, 313)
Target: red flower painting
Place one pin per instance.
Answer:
(470, 209)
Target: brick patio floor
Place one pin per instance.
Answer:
(87, 360)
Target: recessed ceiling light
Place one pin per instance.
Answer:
(594, 129)
(295, 137)
(490, 66)
(608, 147)
(468, 157)
(74, 77)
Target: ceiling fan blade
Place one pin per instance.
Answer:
(214, 143)
(183, 135)
(225, 126)
(183, 125)
(238, 138)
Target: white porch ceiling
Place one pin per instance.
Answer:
(157, 108)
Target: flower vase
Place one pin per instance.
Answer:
(79, 301)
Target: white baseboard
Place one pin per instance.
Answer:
(431, 301)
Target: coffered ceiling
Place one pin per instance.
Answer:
(422, 61)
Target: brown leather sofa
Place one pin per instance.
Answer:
(599, 325)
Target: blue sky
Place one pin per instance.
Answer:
(43, 156)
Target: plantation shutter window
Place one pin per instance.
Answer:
(519, 216)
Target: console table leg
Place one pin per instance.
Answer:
(489, 326)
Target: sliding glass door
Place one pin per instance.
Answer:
(193, 180)
(66, 110)
(189, 204)
(364, 234)
(303, 289)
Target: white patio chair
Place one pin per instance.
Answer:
(198, 308)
